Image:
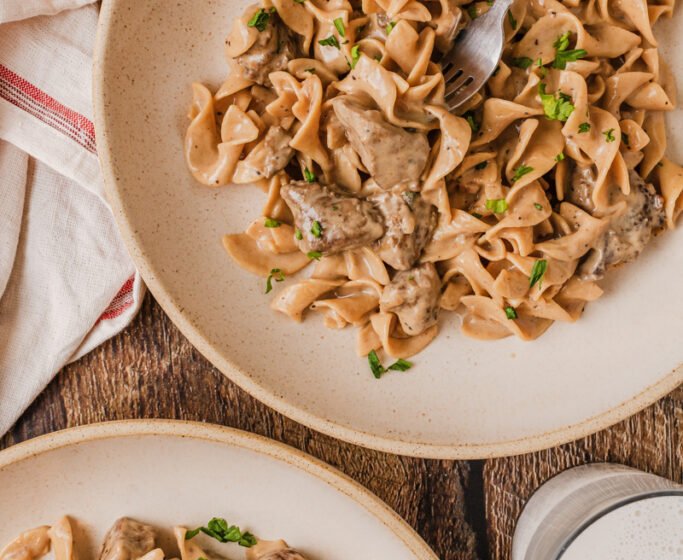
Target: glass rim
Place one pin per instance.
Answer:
(576, 533)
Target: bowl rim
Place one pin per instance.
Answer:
(457, 451)
(214, 433)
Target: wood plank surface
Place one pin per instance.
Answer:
(464, 510)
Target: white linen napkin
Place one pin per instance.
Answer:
(66, 281)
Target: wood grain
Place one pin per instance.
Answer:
(152, 371)
(463, 510)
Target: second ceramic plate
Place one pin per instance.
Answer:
(180, 473)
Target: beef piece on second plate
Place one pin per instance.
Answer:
(409, 221)
(271, 52)
(391, 154)
(127, 540)
(330, 221)
(413, 295)
(629, 231)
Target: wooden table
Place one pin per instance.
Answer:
(464, 510)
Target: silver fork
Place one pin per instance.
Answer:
(475, 55)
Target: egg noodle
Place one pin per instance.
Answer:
(507, 213)
(129, 539)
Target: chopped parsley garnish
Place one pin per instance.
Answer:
(355, 55)
(538, 206)
(474, 125)
(537, 273)
(510, 312)
(497, 205)
(299, 1)
(275, 274)
(339, 24)
(520, 172)
(314, 255)
(390, 26)
(609, 135)
(512, 20)
(559, 157)
(331, 41)
(219, 529)
(375, 365)
(556, 108)
(271, 223)
(562, 55)
(400, 365)
(472, 12)
(625, 139)
(481, 165)
(260, 19)
(298, 234)
(309, 175)
(316, 229)
(584, 127)
(522, 62)
(311, 70)
(477, 215)
(378, 369)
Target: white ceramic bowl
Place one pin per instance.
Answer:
(464, 398)
(181, 473)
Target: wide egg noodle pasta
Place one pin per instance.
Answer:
(523, 189)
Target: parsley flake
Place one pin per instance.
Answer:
(556, 108)
(275, 274)
(538, 206)
(271, 223)
(520, 172)
(259, 20)
(298, 234)
(584, 127)
(474, 125)
(522, 62)
(316, 229)
(219, 529)
(339, 24)
(609, 135)
(559, 157)
(400, 365)
(481, 165)
(331, 41)
(510, 312)
(314, 255)
(472, 12)
(310, 70)
(537, 273)
(309, 175)
(512, 20)
(562, 55)
(376, 366)
(355, 55)
(497, 205)
(390, 26)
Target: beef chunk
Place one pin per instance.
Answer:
(330, 221)
(391, 154)
(127, 540)
(409, 221)
(271, 52)
(630, 229)
(413, 295)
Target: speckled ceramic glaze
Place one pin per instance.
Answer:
(181, 473)
(463, 398)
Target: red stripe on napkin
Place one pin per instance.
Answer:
(27, 97)
(121, 302)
